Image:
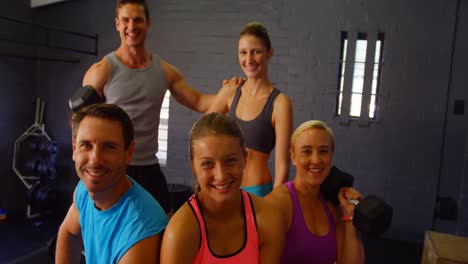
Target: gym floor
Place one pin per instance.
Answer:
(26, 241)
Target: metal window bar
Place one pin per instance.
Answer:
(348, 78)
(368, 76)
(378, 74)
(341, 72)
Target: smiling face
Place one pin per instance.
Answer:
(132, 24)
(312, 154)
(218, 162)
(100, 155)
(253, 56)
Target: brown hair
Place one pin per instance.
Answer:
(143, 3)
(258, 30)
(215, 124)
(104, 111)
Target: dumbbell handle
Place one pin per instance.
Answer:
(354, 201)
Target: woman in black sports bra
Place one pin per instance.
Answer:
(263, 112)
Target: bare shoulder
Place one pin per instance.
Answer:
(183, 224)
(271, 228)
(228, 91)
(172, 73)
(279, 197)
(283, 99)
(223, 99)
(99, 67)
(181, 238)
(282, 103)
(283, 110)
(266, 211)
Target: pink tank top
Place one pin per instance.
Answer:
(248, 253)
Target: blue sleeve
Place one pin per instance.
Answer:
(145, 220)
(80, 194)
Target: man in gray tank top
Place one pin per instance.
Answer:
(136, 80)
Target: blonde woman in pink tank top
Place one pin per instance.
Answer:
(221, 223)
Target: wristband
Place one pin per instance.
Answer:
(346, 218)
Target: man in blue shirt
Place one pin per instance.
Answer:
(112, 215)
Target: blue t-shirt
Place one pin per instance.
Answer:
(109, 234)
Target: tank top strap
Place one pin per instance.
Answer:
(268, 108)
(294, 199)
(331, 220)
(193, 202)
(235, 101)
(111, 57)
(113, 63)
(250, 219)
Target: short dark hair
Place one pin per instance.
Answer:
(257, 30)
(104, 111)
(143, 3)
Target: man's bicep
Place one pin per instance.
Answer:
(97, 76)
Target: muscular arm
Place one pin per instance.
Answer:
(181, 239)
(282, 121)
(183, 92)
(69, 243)
(350, 246)
(145, 251)
(97, 76)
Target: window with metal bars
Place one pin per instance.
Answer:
(358, 93)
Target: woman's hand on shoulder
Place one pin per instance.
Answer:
(233, 83)
(225, 95)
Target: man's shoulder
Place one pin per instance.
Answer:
(144, 205)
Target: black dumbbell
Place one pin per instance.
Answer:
(84, 96)
(48, 148)
(41, 196)
(333, 182)
(47, 171)
(372, 216)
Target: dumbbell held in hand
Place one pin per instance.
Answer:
(333, 183)
(372, 215)
(84, 96)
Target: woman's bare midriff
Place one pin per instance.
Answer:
(256, 170)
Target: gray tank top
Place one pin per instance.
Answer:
(259, 133)
(140, 92)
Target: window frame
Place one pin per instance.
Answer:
(344, 84)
